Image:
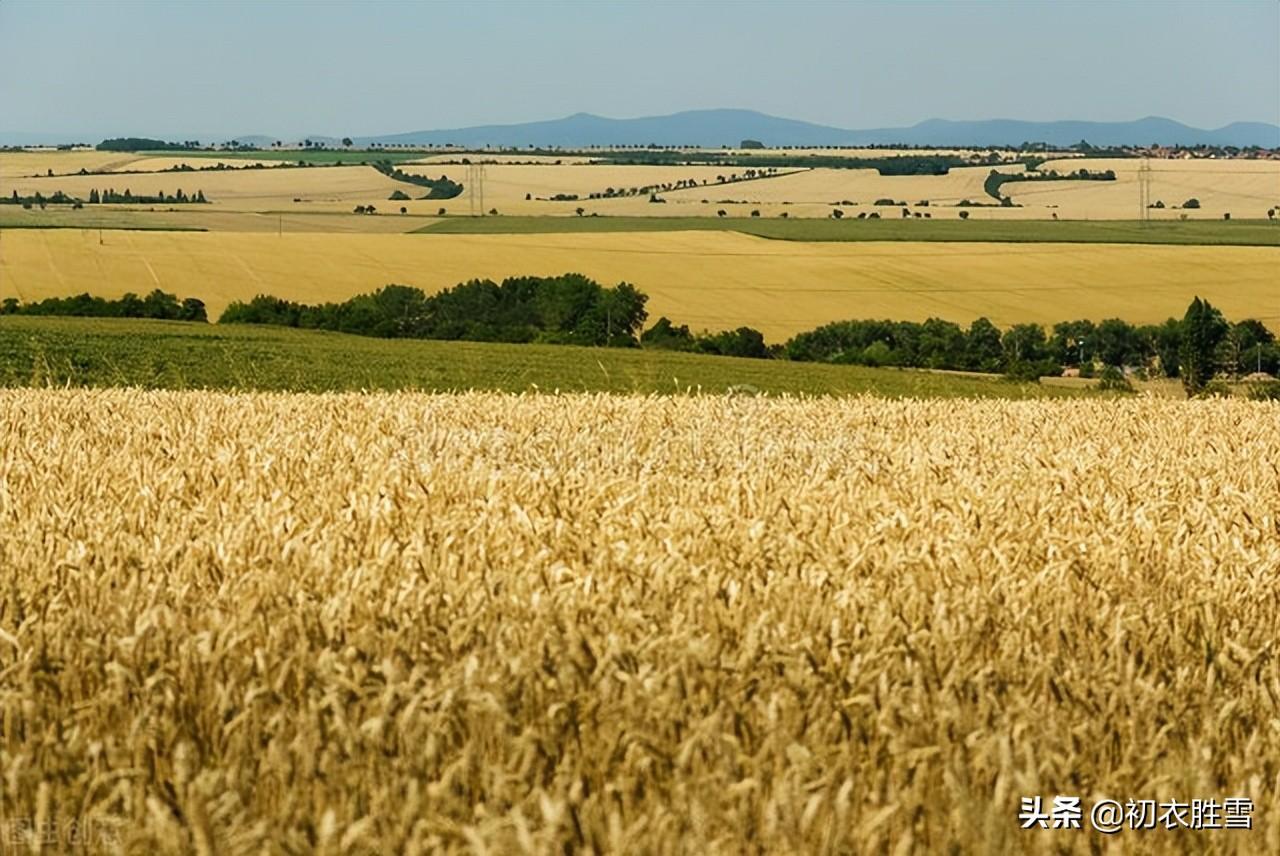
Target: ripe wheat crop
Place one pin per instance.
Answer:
(413, 623)
(708, 280)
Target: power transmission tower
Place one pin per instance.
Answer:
(475, 178)
(1144, 189)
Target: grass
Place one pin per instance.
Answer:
(1209, 232)
(325, 156)
(172, 355)
(16, 217)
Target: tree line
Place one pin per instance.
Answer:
(1194, 348)
(573, 309)
(441, 188)
(567, 309)
(144, 144)
(157, 305)
(110, 196)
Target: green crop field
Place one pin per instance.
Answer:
(173, 355)
(65, 217)
(1209, 232)
(324, 156)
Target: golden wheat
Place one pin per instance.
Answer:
(708, 280)
(413, 623)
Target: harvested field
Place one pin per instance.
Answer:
(711, 280)
(594, 623)
(14, 165)
(865, 186)
(336, 188)
(1243, 188)
(506, 185)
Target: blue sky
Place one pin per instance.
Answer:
(293, 68)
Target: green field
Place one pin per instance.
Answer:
(173, 355)
(325, 156)
(65, 217)
(1206, 232)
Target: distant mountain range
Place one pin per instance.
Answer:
(713, 128)
(730, 127)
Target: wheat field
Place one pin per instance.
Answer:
(318, 188)
(410, 623)
(1243, 188)
(708, 280)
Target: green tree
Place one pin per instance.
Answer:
(1203, 329)
(982, 346)
(1116, 343)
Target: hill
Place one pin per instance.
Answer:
(729, 127)
(175, 355)
(715, 128)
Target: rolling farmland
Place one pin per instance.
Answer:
(537, 624)
(1244, 188)
(711, 280)
(44, 351)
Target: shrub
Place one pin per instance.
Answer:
(1112, 379)
(1268, 390)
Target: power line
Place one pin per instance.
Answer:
(475, 178)
(1144, 190)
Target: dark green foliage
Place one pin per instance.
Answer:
(1203, 329)
(1163, 342)
(663, 334)
(139, 144)
(1247, 347)
(1026, 353)
(1071, 342)
(441, 188)
(156, 305)
(398, 196)
(58, 198)
(1264, 391)
(742, 342)
(1116, 343)
(934, 344)
(161, 354)
(1112, 379)
(567, 309)
(1025, 343)
(112, 196)
(996, 179)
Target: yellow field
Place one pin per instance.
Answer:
(506, 185)
(337, 188)
(710, 280)
(26, 164)
(1244, 188)
(420, 624)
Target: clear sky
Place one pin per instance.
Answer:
(224, 67)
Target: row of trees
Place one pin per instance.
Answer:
(573, 309)
(742, 342)
(440, 188)
(58, 198)
(111, 196)
(995, 179)
(157, 305)
(1196, 348)
(144, 144)
(567, 309)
